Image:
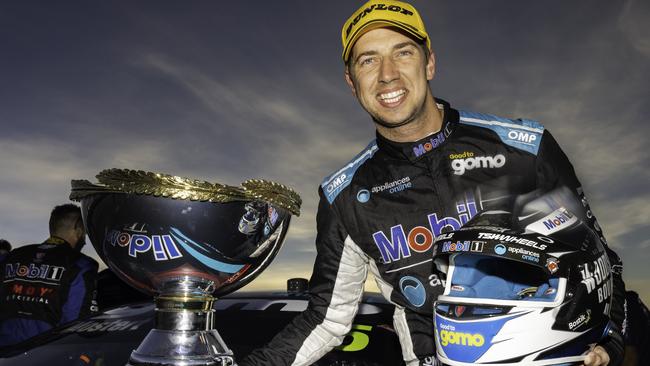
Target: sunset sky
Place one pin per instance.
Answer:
(226, 91)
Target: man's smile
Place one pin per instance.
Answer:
(392, 98)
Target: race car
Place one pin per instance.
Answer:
(245, 320)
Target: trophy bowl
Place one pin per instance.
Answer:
(186, 242)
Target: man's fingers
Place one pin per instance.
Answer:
(597, 357)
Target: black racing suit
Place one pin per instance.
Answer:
(42, 286)
(381, 212)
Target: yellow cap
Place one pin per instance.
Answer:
(379, 14)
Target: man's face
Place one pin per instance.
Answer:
(388, 73)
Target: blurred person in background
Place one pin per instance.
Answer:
(48, 284)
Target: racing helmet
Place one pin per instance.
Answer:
(533, 292)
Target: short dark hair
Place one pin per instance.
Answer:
(65, 217)
(5, 245)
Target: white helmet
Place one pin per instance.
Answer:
(533, 293)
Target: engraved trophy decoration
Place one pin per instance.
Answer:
(186, 242)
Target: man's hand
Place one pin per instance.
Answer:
(597, 357)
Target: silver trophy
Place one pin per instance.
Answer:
(187, 242)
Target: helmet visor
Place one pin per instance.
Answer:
(488, 280)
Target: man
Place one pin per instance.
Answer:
(430, 170)
(48, 284)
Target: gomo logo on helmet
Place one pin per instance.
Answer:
(460, 166)
(465, 339)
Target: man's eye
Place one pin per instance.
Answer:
(366, 61)
(405, 53)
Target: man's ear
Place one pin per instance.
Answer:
(431, 65)
(350, 81)
(79, 229)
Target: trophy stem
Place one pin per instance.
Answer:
(183, 333)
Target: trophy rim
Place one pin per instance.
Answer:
(142, 182)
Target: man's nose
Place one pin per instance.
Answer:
(388, 71)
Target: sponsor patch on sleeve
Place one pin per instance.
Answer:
(335, 183)
(523, 134)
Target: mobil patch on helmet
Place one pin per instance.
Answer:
(554, 222)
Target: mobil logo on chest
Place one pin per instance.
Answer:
(400, 243)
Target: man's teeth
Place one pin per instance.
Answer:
(392, 97)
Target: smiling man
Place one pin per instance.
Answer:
(430, 170)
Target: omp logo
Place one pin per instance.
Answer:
(450, 336)
(32, 271)
(462, 165)
(163, 246)
(420, 238)
(375, 7)
(522, 136)
(337, 182)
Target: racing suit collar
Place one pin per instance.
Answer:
(416, 150)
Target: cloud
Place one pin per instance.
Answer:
(37, 174)
(633, 22)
